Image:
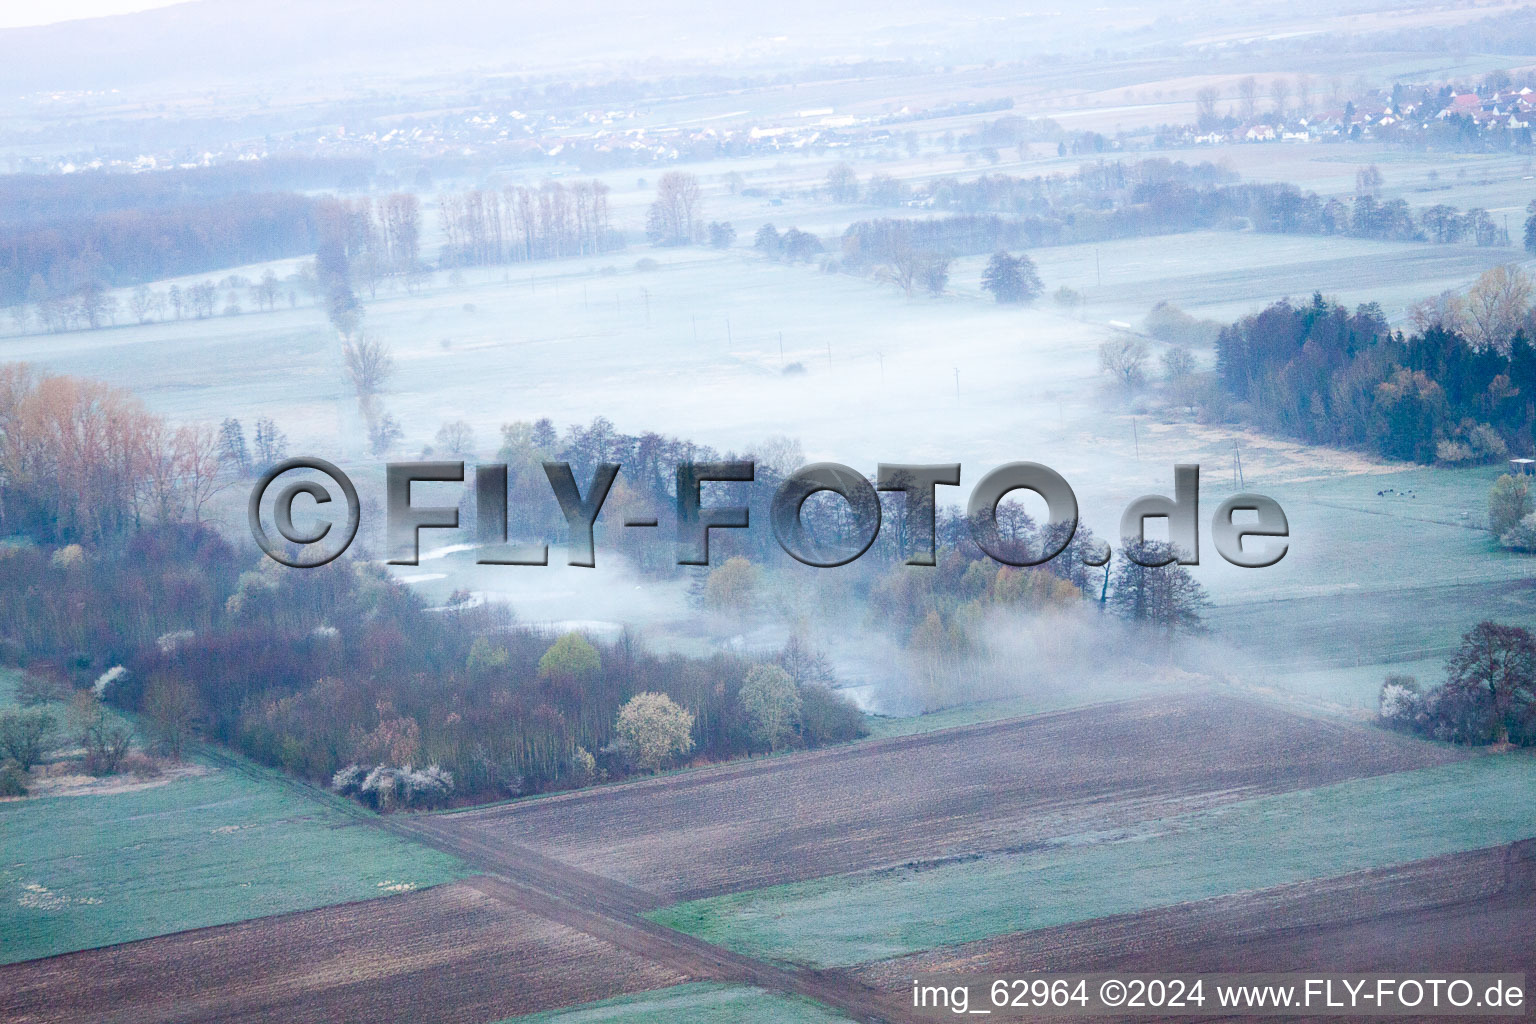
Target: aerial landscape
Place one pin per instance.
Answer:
(803, 514)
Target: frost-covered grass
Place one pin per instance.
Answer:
(1256, 844)
(1354, 689)
(697, 1003)
(1226, 274)
(84, 871)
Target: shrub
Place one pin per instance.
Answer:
(1521, 536)
(1401, 703)
(652, 730)
(142, 765)
(104, 681)
(1167, 322)
(386, 787)
(1069, 297)
(583, 771)
(1509, 501)
(1486, 443)
(69, 556)
(13, 781)
(425, 786)
(826, 716)
(26, 736)
(106, 739)
(1453, 453)
(347, 780)
(570, 658)
(484, 657)
(771, 704)
(732, 585)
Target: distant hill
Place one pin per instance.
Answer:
(223, 40)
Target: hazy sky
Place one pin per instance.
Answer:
(29, 12)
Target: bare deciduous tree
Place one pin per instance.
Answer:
(181, 472)
(384, 431)
(674, 218)
(1248, 94)
(456, 438)
(171, 707)
(1124, 358)
(1205, 107)
(142, 304)
(1280, 92)
(1495, 307)
(369, 364)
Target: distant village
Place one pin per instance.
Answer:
(1486, 118)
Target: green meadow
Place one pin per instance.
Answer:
(77, 872)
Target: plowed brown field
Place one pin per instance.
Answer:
(452, 953)
(930, 797)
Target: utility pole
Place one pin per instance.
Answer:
(1136, 437)
(881, 356)
(728, 341)
(1098, 273)
(695, 320)
(645, 293)
(829, 351)
(781, 350)
(957, 382)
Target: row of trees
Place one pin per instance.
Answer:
(519, 223)
(343, 676)
(360, 243)
(81, 461)
(42, 261)
(792, 246)
(65, 239)
(1326, 375)
(1128, 201)
(92, 306)
(1281, 90)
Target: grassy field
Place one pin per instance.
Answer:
(83, 871)
(1226, 274)
(1466, 911)
(700, 1003)
(1269, 841)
